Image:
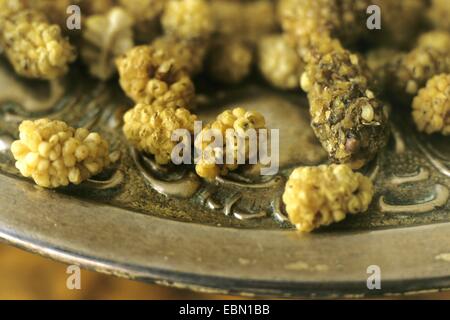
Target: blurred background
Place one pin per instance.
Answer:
(28, 276)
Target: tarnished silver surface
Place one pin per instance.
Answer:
(165, 225)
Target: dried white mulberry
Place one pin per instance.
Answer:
(148, 75)
(238, 121)
(54, 154)
(35, 48)
(149, 128)
(429, 58)
(188, 19)
(431, 107)
(105, 37)
(279, 62)
(319, 196)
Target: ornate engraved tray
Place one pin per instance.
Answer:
(164, 225)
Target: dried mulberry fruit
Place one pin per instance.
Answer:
(238, 122)
(439, 14)
(105, 37)
(431, 107)
(148, 75)
(35, 48)
(428, 59)
(149, 128)
(189, 55)
(347, 118)
(320, 196)
(54, 154)
(229, 60)
(188, 19)
(279, 62)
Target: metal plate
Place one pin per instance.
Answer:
(164, 225)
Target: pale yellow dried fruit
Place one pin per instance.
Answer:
(149, 128)
(54, 154)
(237, 122)
(149, 75)
(279, 62)
(431, 107)
(429, 58)
(35, 48)
(320, 196)
(188, 19)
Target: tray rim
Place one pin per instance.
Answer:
(18, 228)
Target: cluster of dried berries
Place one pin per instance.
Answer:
(429, 58)
(431, 107)
(188, 19)
(319, 196)
(54, 154)
(238, 122)
(35, 48)
(149, 128)
(279, 62)
(148, 75)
